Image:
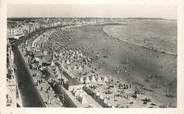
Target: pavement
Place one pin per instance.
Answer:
(29, 94)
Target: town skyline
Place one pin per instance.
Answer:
(92, 10)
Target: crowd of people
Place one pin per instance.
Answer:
(104, 89)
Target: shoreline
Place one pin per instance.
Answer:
(143, 46)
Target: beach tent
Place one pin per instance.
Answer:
(74, 67)
(87, 80)
(52, 63)
(37, 59)
(93, 79)
(97, 94)
(80, 68)
(99, 79)
(67, 61)
(105, 101)
(106, 79)
(84, 99)
(82, 80)
(101, 97)
(77, 93)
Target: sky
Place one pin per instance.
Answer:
(92, 10)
